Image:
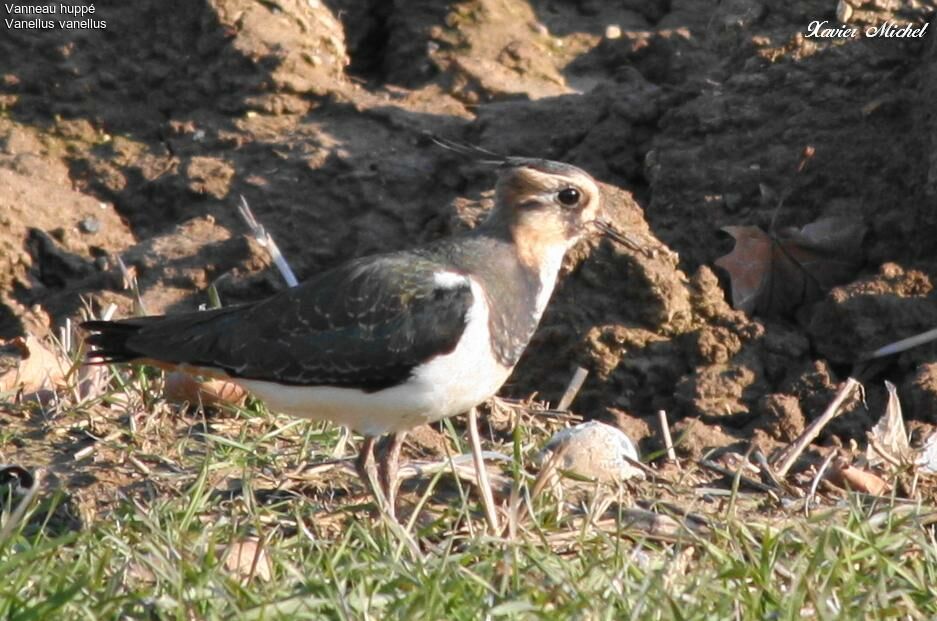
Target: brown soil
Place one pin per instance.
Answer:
(135, 141)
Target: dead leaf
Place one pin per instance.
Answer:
(775, 274)
(182, 387)
(247, 559)
(888, 436)
(927, 458)
(847, 476)
(28, 365)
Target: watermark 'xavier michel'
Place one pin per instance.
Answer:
(890, 30)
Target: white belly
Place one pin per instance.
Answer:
(445, 386)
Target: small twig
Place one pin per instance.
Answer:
(524, 406)
(768, 477)
(65, 336)
(717, 492)
(463, 466)
(638, 523)
(130, 282)
(344, 438)
(737, 480)
(743, 480)
(517, 472)
(647, 470)
(484, 485)
(575, 384)
(139, 465)
(79, 455)
(547, 470)
(817, 479)
(811, 432)
(549, 475)
(665, 432)
(902, 345)
(109, 312)
(675, 511)
(266, 240)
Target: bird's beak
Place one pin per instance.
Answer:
(606, 229)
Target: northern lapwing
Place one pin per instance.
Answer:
(390, 341)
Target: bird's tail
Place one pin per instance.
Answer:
(108, 340)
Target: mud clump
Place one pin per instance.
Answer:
(860, 317)
(785, 420)
(136, 143)
(920, 391)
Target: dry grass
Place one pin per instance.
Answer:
(148, 510)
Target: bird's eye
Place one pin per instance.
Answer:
(569, 196)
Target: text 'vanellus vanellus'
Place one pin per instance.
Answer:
(387, 342)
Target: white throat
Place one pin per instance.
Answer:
(549, 268)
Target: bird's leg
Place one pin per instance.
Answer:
(367, 470)
(389, 466)
(481, 472)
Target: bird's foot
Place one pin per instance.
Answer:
(368, 472)
(389, 467)
(381, 477)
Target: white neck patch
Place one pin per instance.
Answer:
(549, 268)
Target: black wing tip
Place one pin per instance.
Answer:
(101, 325)
(107, 341)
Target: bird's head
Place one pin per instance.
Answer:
(546, 207)
(553, 201)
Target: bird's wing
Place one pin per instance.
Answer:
(365, 324)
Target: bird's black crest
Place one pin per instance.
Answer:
(485, 156)
(470, 151)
